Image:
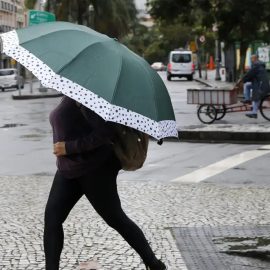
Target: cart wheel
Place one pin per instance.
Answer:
(265, 107)
(207, 114)
(221, 111)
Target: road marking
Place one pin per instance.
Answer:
(221, 166)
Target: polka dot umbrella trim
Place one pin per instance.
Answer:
(108, 111)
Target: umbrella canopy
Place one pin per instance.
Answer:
(97, 71)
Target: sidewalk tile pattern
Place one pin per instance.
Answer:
(155, 207)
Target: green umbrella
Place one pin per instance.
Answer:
(97, 71)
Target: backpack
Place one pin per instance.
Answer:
(130, 146)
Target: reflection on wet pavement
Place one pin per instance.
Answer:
(12, 125)
(26, 135)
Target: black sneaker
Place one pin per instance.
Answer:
(244, 101)
(252, 115)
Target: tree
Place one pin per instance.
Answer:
(114, 18)
(30, 4)
(139, 39)
(155, 42)
(243, 20)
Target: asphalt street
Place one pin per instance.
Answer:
(26, 145)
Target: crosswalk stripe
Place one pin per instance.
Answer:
(221, 166)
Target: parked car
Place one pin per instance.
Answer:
(9, 78)
(158, 66)
(180, 65)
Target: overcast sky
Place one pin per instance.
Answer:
(140, 4)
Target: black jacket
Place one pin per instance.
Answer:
(86, 135)
(258, 76)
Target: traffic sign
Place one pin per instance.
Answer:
(202, 39)
(38, 16)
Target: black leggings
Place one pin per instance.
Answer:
(100, 188)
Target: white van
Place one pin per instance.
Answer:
(180, 65)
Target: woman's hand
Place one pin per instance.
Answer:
(59, 149)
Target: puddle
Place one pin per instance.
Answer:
(193, 127)
(43, 174)
(225, 247)
(248, 182)
(256, 247)
(239, 168)
(31, 136)
(38, 103)
(13, 125)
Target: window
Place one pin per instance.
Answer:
(2, 4)
(181, 58)
(6, 72)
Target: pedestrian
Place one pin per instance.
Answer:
(258, 77)
(86, 165)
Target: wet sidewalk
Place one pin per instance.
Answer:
(209, 80)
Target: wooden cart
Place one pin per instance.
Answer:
(215, 103)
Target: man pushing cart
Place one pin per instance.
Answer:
(214, 103)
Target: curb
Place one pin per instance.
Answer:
(208, 84)
(25, 97)
(203, 82)
(224, 137)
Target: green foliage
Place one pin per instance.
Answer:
(114, 18)
(242, 20)
(169, 9)
(155, 53)
(175, 35)
(139, 39)
(155, 43)
(30, 4)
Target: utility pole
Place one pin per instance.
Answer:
(199, 57)
(215, 30)
(217, 77)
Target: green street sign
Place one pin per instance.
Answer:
(37, 17)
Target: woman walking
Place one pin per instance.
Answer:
(86, 166)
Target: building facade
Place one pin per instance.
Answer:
(12, 16)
